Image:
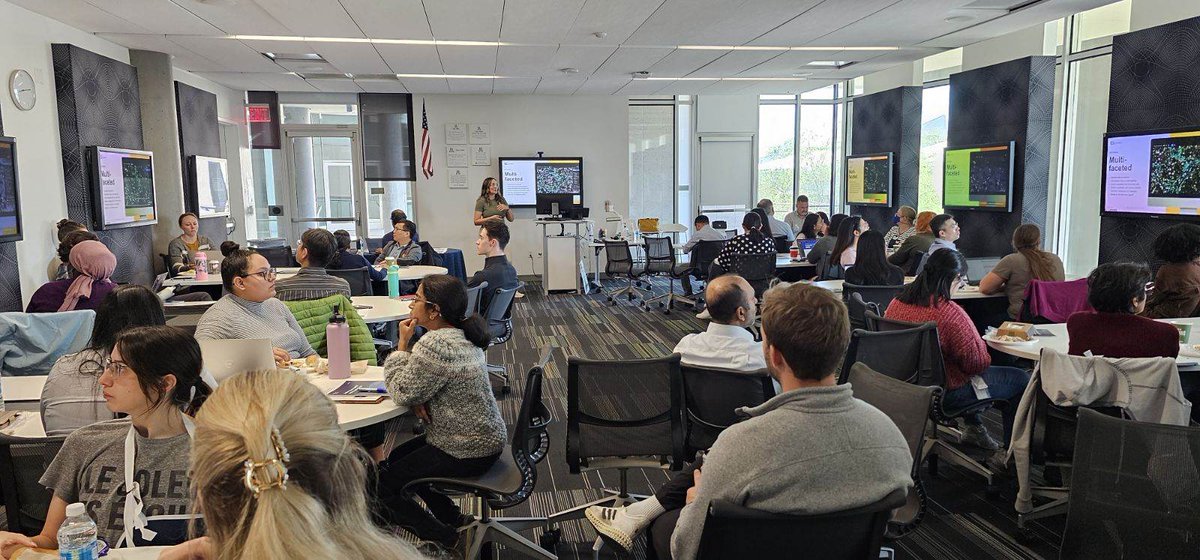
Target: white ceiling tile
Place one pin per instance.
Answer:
(628, 60)
(1032, 15)
(310, 67)
(903, 23)
(642, 87)
(243, 17)
(602, 86)
(726, 87)
(235, 80)
(145, 42)
(523, 86)
(735, 62)
(284, 82)
(560, 84)
(161, 16)
(335, 86)
(538, 21)
(717, 22)
(769, 87)
(682, 62)
(820, 20)
(426, 85)
(411, 59)
(82, 15)
(467, 60)
(524, 61)
(356, 58)
(465, 20)
(389, 19)
(233, 55)
(380, 86)
(684, 87)
(462, 85)
(618, 18)
(290, 47)
(586, 59)
(312, 18)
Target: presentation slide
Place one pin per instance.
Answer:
(869, 179)
(10, 224)
(978, 177)
(522, 179)
(517, 181)
(212, 186)
(126, 186)
(1153, 173)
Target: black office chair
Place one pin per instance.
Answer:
(857, 308)
(660, 261)
(619, 262)
(758, 270)
(782, 245)
(702, 256)
(881, 296)
(711, 396)
(23, 461)
(429, 257)
(473, 297)
(358, 278)
(166, 260)
(1135, 490)
(734, 531)
(278, 257)
(499, 319)
(828, 270)
(510, 481)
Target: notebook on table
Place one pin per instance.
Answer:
(359, 392)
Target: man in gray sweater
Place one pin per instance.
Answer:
(812, 449)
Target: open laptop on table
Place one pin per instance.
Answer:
(225, 358)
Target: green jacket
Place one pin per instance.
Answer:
(313, 315)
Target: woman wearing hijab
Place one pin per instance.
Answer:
(93, 264)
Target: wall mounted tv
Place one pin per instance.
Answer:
(869, 179)
(210, 179)
(523, 178)
(122, 187)
(1151, 173)
(979, 177)
(10, 205)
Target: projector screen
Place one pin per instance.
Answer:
(212, 186)
(522, 179)
(10, 207)
(869, 179)
(978, 177)
(1152, 173)
(123, 187)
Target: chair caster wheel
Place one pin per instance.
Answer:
(660, 306)
(631, 298)
(667, 312)
(550, 538)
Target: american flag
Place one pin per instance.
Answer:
(426, 161)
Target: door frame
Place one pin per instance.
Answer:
(359, 189)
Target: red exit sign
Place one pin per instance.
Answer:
(258, 113)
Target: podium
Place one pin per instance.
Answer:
(562, 259)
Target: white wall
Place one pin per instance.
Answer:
(594, 127)
(1149, 13)
(906, 74)
(1031, 41)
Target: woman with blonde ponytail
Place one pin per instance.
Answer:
(275, 477)
(1013, 273)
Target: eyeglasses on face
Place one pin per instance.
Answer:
(267, 275)
(114, 368)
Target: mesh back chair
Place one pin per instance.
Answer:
(358, 278)
(510, 481)
(660, 260)
(619, 262)
(278, 257)
(23, 461)
(1135, 490)
(910, 407)
(858, 310)
(826, 270)
(782, 245)
(881, 296)
(428, 255)
(473, 297)
(734, 531)
(703, 255)
(499, 319)
(758, 270)
(166, 260)
(711, 396)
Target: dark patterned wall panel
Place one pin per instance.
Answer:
(10, 275)
(890, 121)
(1155, 84)
(199, 135)
(1012, 100)
(99, 105)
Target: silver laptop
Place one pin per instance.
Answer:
(225, 358)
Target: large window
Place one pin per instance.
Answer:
(683, 159)
(816, 156)
(777, 154)
(652, 161)
(935, 118)
(800, 148)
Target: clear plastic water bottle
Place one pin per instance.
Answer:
(77, 536)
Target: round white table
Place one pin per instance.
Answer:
(1058, 341)
(214, 279)
(381, 309)
(968, 292)
(419, 271)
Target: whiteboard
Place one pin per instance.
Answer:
(726, 171)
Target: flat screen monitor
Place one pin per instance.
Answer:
(979, 177)
(869, 179)
(210, 177)
(10, 206)
(123, 187)
(522, 179)
(1152, 173)
(545, 203)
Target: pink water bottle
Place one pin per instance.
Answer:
(337, 341)
(200, 261)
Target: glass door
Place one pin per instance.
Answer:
(325, 181)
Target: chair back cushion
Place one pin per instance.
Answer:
(660, 257)
(703, 255)
(911, 355)
(23, 461)
(711, 396)
(358, 278)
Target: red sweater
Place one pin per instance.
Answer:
(963, 351)
(1121, 335)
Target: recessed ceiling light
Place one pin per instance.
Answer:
(457, 76)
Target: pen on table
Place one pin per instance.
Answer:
(370, 389)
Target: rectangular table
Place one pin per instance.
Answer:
(969, 292)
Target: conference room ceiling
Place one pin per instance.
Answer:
(523, 46)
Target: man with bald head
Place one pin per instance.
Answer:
(726, 344)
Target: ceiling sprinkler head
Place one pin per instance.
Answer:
(641, 74)
(569, 70)
(600, 34)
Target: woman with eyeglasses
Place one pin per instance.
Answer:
(443, 378)
(152, 377)
(249, 308)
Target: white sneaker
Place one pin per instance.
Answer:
(615, 524)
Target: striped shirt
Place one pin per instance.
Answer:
(310, 283)
(235, 318)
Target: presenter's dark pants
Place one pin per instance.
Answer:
(672, 495)
(417, 459)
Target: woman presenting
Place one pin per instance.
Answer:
(491, 204)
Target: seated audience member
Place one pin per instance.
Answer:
(795, 219)
(909, 254)
(725, 344)
(347, 258)
(397, 216)
(403, 247)
(814, 226)
(845, 250)
(306, 497)
(63, 251)
(249, 308)
(945, 233)
(152, 377)
(71, 397)
(871, 267)
(704, 232)
(753, 241)
(812, 449)
(228, 248)
(92, 265)
(1177, 283)
(778, 228)
(57, 269)
(317, 248)
(497, 271)
(444, 379)
(1117, 294)
(181, 249)
(964, 353)
(1013, 273)
(826, 243)
(903, 227)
